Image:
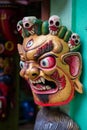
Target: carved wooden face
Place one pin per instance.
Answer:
(51, 70)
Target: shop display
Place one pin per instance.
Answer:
(6, 86)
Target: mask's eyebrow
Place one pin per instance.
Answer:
(43, 49)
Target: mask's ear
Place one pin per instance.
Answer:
(21, 51)
(74, 61)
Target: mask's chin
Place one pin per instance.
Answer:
(43, 86)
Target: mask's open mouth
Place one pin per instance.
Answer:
(43, 86)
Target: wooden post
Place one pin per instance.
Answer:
(45, 9)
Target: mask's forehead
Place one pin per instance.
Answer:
(45, 42)
(33, 42)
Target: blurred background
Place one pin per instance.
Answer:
(17, 108)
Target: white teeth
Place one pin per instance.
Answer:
(43, 88)
(31, 81)
(48, 87)
(50, 31)
(38, 81)
(38, 88)
(43, 80)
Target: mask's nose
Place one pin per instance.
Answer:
(33, 71)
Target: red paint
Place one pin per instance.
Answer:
(53, 28)
(47, 62)
(61, 80)
(57, 103)
(73, 62)
(72, 42)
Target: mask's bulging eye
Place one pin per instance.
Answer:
(29, 43)
(48, 62)
(21, 64)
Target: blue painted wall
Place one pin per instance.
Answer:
(79, 25)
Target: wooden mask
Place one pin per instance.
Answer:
(49, 61)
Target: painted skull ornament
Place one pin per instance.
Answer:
(50, 68)
(26, 26)
(28, 23)
(23, 32)
(74, 41)
(54, 24)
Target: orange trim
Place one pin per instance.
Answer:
(59, 103)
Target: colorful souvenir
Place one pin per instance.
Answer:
(51, 69)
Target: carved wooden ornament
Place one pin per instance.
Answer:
(49, 60)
